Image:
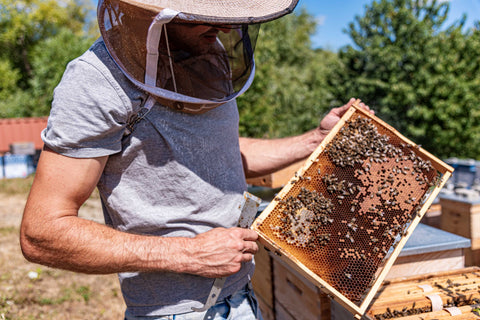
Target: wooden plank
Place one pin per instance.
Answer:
(262, 279)
(421, 302)
(472, 257)
(301, 300)
(433, 216)
(414, 291)
(403, 294)
(267, 312)
(466, 277)
(461, 218)
(435, 276)
(467, 313)
(476, 244)
(277, 179)
(428, 262)
(282, 313)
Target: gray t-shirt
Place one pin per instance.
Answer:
(176, 174)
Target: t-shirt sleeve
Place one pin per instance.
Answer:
(89, 113)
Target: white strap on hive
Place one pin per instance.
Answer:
(437, 303)
(425, 287)
(454, 311)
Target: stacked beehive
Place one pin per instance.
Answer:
(462, 217)
(442, 295)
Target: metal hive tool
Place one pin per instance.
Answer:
(343, 218)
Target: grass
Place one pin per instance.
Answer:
(21, 186)
(7, 230)
(16, 186)
(29, 291)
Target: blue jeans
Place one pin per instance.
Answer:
(242, 305)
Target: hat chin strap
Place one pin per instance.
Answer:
(153, 40)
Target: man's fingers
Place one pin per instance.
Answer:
(341, 110)
(247, 234)
(247, 257)
(250, 247)
(366, 108)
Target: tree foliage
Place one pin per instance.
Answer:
(38, 38)
(421, 76)
(290, 91)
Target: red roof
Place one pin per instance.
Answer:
(15, 130)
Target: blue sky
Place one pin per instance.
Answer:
(334, 16)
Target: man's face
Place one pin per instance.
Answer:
(194, 38)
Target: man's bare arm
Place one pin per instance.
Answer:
(52, 233)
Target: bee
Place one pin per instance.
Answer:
(349, 237)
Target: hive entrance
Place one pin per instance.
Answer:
(347, 209)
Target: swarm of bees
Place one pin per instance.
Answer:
(352, 205)
(302, 218)
(457, 297)
(358, 141)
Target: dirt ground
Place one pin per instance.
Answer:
(31, 291)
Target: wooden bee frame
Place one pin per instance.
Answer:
(344, 235)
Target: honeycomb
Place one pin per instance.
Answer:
(343, 214)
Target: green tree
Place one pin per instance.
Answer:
(49, 60)
(38, 38)
(290, 91)
(420, 75)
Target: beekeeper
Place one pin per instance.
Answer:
(148, 116)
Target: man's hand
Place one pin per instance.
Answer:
(335, 114)
(220, 252)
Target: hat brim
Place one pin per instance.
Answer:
(222, 11)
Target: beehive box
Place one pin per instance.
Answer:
(343, 218)
(283, 294)
(296, 298)
(277, 179)
(262, 281)
(442, 295)
(462, 217)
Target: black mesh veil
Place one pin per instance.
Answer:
(186, 65)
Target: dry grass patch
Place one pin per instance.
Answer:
(29, 291)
